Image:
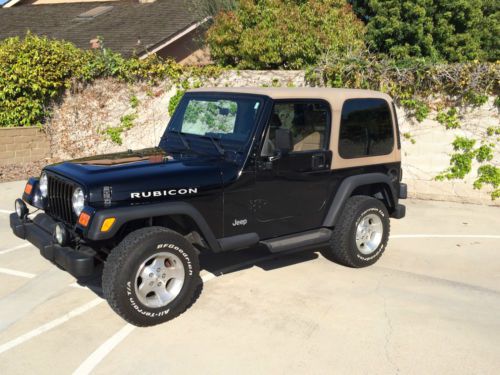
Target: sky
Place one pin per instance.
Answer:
(3, 1)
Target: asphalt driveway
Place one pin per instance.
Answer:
(430, 305)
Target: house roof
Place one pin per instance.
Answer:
(127, 26)
(335, 96)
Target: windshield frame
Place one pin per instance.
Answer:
(212, 96)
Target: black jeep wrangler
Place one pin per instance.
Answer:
(282, 168)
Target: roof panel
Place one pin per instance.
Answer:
(335, 96)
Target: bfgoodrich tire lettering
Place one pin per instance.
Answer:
(121, 270)
(347, 244)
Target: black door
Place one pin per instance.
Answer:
(292, 189)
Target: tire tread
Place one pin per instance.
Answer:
(113, 266)
(339, 251)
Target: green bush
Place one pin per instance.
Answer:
(451, 30)
(34, 71)
(290, 34)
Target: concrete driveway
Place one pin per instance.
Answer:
(430, 305)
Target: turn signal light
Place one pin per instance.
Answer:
(107, 224)
(28, 188)
(84, 219)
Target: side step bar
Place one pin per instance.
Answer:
(299, 240)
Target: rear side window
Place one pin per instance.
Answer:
(365, 128)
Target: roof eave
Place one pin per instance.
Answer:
(10, 3)
(171, 39)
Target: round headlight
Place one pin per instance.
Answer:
(43, 185)
(78, 201)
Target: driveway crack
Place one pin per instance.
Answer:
(389, 332)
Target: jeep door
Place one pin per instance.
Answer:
(292, 187)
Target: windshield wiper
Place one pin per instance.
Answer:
(217, 145)
(183, 140)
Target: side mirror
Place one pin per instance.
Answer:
(283, 140)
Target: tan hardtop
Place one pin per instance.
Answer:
(335, 97)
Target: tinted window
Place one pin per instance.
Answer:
(307, 121)
(365, 128)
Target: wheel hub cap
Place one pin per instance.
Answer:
(369, 234)
(159, 280)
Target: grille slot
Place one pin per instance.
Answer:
(59, 199)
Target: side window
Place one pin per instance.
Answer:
(308, 121)
(365, 128)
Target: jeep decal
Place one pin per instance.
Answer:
(164, 193)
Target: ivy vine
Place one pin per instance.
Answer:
(461, 164)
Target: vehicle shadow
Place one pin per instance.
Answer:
(92, 282)
(220, 264)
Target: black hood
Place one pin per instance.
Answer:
(146, 175)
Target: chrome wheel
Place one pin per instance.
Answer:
(369, 234)
(159, 279)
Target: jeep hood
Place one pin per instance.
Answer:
(146, 175)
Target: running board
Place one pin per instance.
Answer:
(299, 240)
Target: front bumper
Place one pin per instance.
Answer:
(39, 232)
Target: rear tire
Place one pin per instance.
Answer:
(360, 237)
(151, 276)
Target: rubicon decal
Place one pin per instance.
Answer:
(164, 193)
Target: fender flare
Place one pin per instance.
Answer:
(144, 211)
(346, 188)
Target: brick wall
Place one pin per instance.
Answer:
(22, 145)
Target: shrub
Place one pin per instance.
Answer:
(34, 71)
(290, 34)
(453, 30)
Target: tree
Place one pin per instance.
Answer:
(291, 34)
(491, 29)
(453, 30)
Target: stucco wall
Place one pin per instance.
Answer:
(21, 145)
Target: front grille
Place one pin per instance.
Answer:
(59, 199)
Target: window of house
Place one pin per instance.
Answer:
(308, 121)
(365, 128)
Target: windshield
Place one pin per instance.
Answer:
(213, 123)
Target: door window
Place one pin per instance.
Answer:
(365, 128)
(308, 121)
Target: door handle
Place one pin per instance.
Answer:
(277, 155)
(318, 161)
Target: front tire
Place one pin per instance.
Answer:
(151, 276)
(360, 237)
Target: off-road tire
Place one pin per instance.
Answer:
(343, 248)
(122, 265)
